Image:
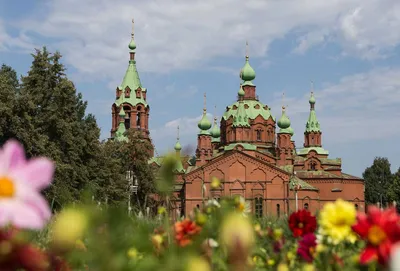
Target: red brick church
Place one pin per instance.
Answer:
(251, 152)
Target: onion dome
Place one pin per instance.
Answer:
(312, 98)
(241, 91)
(284, 121)
(290, 131)
(215, 131)
(204, 124)
(247, 73)
(178, 146)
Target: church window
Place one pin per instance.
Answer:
(258, 135)
(278, 210)
(305, 206)
(138, 120)
(356, 206)
(127, 121)
(312, 140)
(258, 207)
(313, 166)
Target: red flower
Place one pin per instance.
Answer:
(302, 222)
(307, 246)
(184, 231)
(380, 229)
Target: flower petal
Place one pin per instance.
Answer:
(18, 214)
(33, 199)
(37, 172)
(12, 155)
(369, 254)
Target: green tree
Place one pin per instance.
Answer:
(378, 178)
(56, 125)
(394, 188)
(9, 86)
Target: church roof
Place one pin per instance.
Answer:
(252, 109)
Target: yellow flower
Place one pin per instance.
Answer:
(201, 219)
(237, 230)
(308, 267)
(198, 264)
(161, 210)
(69, 226)
(271, 262)
(278, 233)
(134, 254)
(157, 241)
(336, 220)
(282, 267)
(290, 256)
(215, 183)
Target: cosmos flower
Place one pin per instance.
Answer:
(21, 180)
(242, 206)
(336, 219)
(184, 232)
(381, 230)
(307, 245)
(302, 222)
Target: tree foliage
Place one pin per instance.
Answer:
(378, 182)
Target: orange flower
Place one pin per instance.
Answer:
(184, 231)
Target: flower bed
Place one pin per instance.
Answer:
(221, 236)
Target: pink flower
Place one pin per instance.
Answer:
(21, 203)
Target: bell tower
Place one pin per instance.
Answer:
(131, 97)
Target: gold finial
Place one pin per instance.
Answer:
(177, 138)
(133, 28)
(205, 103)
(247, 49)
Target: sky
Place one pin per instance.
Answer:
(185, 48)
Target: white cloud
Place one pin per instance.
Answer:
(359, 107)
(183, 34)
(172, 90)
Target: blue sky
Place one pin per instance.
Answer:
(349, 48)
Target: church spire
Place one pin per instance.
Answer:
(312, 122)
(120, 133)
(312, 134)
(204, 124)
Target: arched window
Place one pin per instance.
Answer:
(258, 207)
(313, 165)
(127, 120)
(356, 206)
(306, 206)
(278, 210)
(312, 140)
(138, 120)
(258, 135)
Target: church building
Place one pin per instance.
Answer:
(253, 154)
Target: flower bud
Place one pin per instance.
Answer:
(201, 219)
(69, 227)
(215, 183)
(237, 236)
(198, 264)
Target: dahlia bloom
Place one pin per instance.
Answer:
(21, 203)
(336, 219)
(381, 230)
(307, 247)
(302, 222)
(184, 231)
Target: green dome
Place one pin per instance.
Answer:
(312, 98)
(215, 131)
(204, 124)
(241, 91)
(178, 146)
(247, 73)
(253, 109)
(284, 121)
(290, 130)
(132, 45)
